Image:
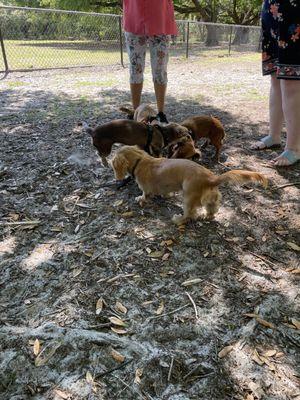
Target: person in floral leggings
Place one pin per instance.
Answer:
(281, 60)
(149, 22)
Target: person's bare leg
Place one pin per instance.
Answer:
(290, 90)
(275, 114)
(160, 94)
(136, 92)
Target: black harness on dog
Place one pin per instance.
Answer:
(149, 138)
(161, 130)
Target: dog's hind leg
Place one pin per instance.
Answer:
(142, 200)
(211, 202)
(189, 211)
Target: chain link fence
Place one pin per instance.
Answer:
(36, 38)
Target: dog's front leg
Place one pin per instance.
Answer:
(104, 161)
(142, 200)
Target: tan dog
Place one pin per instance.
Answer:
(184, 148)
(161, 176)
(144, 113)
(208, 127)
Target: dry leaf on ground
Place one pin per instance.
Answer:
(45, 355)
(120, 307)
(89, 377)
(138, 374)
(296, 323)
(293, 246)
(117, 321)
(36, 347)
(160, 309)
(117, 356)
(256, 357)
(61, 394)
(226, 350)
(99, 306)
(270, 353)
(118, 331)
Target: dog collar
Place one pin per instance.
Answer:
(134, 167)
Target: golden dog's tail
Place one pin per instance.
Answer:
(241, 176)
(128, 111)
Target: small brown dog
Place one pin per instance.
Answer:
(161, 176)
(184, 148)
(144, 113)
(208, 127)
(150, 138)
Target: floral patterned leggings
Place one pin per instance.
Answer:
(159, 56)
(281, 38)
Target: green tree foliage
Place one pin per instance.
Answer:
(241, 12)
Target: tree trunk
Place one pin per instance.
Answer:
(212, 36)
(241, 36)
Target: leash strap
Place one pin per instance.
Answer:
(149, 138)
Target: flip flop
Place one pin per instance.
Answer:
(290, 156)
(268, 143)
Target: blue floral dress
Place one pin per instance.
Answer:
(281, 38)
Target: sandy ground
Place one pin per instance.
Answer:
(101, 299)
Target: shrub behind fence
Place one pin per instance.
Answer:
(45, 38)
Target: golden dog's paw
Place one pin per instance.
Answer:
(209, 217)
(178, 219)
(141, 200)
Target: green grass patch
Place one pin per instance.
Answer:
(253, 94)
(14, 84)
(58, 53)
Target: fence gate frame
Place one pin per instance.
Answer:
(3, 52)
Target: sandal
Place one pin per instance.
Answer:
(266, 142)
(287, 158)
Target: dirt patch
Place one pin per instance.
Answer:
(101, 299)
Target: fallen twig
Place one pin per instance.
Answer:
(262, 258)
(19, 223)
(170, 370)
(287, 185)
(115, 278)
(169, 313)
(133, 390)
(113, 369)
(194, 305)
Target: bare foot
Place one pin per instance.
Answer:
(266, 142)
(287, 158)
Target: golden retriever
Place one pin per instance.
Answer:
(162, 176)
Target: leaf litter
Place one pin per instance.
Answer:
(103, 246)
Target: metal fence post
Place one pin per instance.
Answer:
(3, 52)
(187, 40)
(121, 41)
(230, 38)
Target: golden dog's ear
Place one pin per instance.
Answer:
(120, 166)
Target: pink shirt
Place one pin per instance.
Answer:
(149, 17)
